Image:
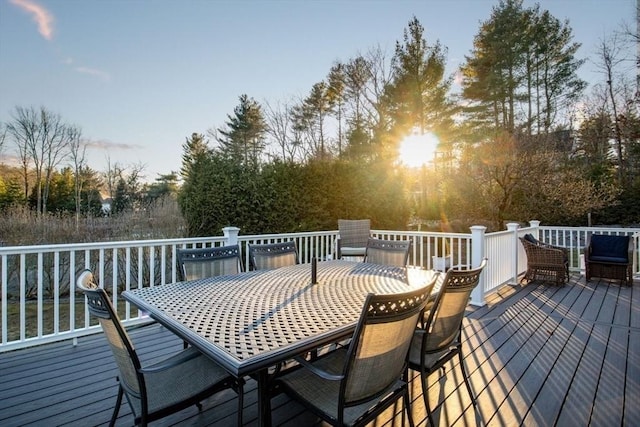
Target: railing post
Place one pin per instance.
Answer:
(513, 228)
(231, 235)
(535, 224)
(477, 254)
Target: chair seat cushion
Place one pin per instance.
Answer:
(608, 259)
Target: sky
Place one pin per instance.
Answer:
(140, 76)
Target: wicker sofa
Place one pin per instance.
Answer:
(545, 262)
(610, 257)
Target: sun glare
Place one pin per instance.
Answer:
(417, 150)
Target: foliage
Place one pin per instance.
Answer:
(288, 197)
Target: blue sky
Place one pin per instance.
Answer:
(139, 76)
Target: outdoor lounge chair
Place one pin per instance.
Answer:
(352, 386)
(545, 262)
(387, 252)
(354, 234)
(164, 387)
(610, 257)
(273, 255)
(198, 263)
(439, 338)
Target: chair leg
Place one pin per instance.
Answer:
(407, 407)
(116, 409)
(240, 391)
(466, 378)
(425, 396)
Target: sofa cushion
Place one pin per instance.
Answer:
(529, 238)
(609, 247)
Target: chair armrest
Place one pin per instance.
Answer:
(317, 371)
(171, 362)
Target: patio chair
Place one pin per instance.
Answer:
(352, 386)
(387, 252)
(354, 234)
(199, 263)
(439, 338)
(273, 255)
(610, 257)
(545, 262)
(164, 387)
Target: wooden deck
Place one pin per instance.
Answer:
(537, 356)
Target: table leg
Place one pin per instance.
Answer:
(264, 399)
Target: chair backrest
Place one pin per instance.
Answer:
(378, 351)
(273, 255)
(609, 245)
(444, 321)
(199, 263)
(121, 346)
(387, 252)
(354, 232)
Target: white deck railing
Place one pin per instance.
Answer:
(39, 303)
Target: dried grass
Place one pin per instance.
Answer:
(21, 226)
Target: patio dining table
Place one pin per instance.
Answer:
(255, 320)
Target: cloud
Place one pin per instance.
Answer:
(94, 72)
(103, 144)
(39, 14)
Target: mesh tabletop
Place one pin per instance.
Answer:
(257, 319)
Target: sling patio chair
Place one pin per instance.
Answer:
(353, 237)
(352, 386)
(160, 389)
(199, 263)
(273, 255)
(387, 252)
(439, 338)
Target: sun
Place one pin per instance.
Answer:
(417, 150)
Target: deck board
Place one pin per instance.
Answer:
(537, 355)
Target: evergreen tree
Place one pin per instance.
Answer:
(417, 97)
(192, 149)
(243, 137)
(522, 71)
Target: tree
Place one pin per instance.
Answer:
(164, 185)
(193, 148)
(43, 140)
(280, 126)
(243, 137)
(127, 188)
(77, 154)
(610, 58)
(335, 94)
(309, 118)
(417, 96)
(522, 60)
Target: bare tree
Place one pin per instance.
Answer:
(111, 175)
(280, 127)
(3, 135)
(42, 140)
(23, 131)
(611, 63)
(77, 152)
